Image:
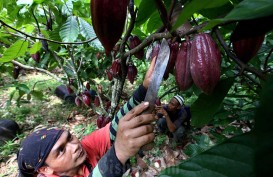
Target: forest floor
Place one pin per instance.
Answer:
(51, 111)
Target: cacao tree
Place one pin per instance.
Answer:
(74, 37)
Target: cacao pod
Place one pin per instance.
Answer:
(205, 62)
(86, 99)
(158, 102)
(109, 74)
(71, 82)
(174, 46)
(96, 101)
(49, 24)
(16, 71)
(182, 67)
(100, 120)
(87, 86)
(116, 68)
(155, 51)
(107, 105)
(246, 49)
(134, 41)
(98, 55)
(106, 120)
(69, 89)
(78, 101)
(36, 57)
(132, 73)
(108, 19)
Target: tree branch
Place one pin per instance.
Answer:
(37, 69)
(41, 38)
(242, 65)
(158, 36)
(267, 58)
(163, 14)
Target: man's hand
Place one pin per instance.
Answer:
(161, 110)
(134, 131)
(149, 73)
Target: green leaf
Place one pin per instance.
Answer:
(146, 9)
(88, 32)
(232, 158)
(247, 9)
(37, 94)
(195, 6)
(24, 88)
(264, 131)
(67, 8)
(70, 30)
(35, 48)
(204, 108)
(154, 22)
(18, 49)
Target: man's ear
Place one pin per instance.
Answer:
(45, 170)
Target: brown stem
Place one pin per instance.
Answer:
(41, 38)
(37, 69)
(168, 91)
(242, 65)
(163, 14)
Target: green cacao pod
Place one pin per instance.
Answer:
(205, 62)
(182, 67)
(108, 19)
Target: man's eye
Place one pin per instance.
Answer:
(61, 150)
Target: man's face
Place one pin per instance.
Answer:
(173, 105)
(67, 155)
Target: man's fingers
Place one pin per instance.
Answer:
(142, 140)
(136, 111)
(139, 131)
(142, 120)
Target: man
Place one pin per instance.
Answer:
(105, 152)
(174, 117)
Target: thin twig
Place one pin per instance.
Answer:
(41, 38)
(163, 14)
(267, 58)
(37, 69)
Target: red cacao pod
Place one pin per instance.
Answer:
(107, 105)
(86, 99)
(155, 51)
(87, 85)
(96, 101)
(69, 89)
(108, 19)
(36, 57)
(98, 55)
(134, 41)
(205, 62)
(106, 120)
(109, 74)
(246, 49)
(116, 68)
(182, 67)
(100, 120)
(132, 72)
(16, 71)
(174, 46)
(78, 101)
(157, 102)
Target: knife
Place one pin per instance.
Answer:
(157, 75)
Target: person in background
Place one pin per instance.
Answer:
(53, 152)
(174, 118)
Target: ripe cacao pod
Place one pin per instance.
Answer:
(155, 51)
(174, 46)
(182, 67)
(98, 55)
(132, 72)
(109, 74)
(116, 68)
(246, 49)
(107, 105)
(87, 86)
(78, 101)
(69, 89)
(157, 102)
(36, 57)
(133, 42)
(96, 101)
(108, 19)
(106, 120)
(205, 62)
(16, 71)
(86, 99)
(100, 120)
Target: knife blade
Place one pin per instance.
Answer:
(157, 75)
